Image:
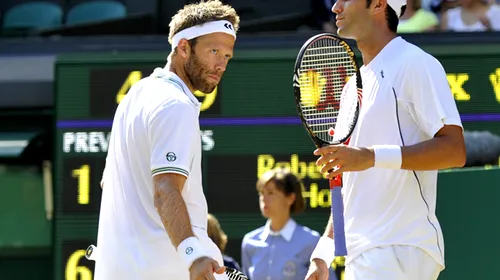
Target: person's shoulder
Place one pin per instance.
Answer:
(307, 233)
(453, 11)
(495, 9)
(253, 235)
(416, 58)
(428, 17)
(166, 98)
(164, 90)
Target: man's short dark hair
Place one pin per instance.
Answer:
(390, 16)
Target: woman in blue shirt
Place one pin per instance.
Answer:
(279, 250)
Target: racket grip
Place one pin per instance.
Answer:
(338, 221)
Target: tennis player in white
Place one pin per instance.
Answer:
(408, 128)
(153, 217)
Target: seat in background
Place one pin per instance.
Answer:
(95, 11)
(33, 15)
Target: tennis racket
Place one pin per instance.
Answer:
(328, 105)
(234, 274)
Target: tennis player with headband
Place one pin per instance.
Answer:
(408, 128)
(153, 216)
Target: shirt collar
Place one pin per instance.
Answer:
(168, 75)
(391, 47)
(286, 232)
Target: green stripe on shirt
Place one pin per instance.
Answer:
(170, 169)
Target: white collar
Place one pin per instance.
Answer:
(286, 232)
(391, 47)
(168, 75)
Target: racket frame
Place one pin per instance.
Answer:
(336, 183)
(234, 274)
(296, 86)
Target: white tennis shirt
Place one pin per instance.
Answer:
(155, 130)
(406, 100)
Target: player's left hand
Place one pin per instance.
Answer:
(344, 157)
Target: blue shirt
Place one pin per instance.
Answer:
(284, 255)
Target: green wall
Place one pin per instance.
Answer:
(468, 209)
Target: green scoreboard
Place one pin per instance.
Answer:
(248, 126)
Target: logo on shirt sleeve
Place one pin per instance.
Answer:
(171, 156)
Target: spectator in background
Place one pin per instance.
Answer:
(416, 19)
(218, 236)
(439, 7)
(281, 248)
(472, 15)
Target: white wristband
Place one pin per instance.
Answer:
(325, 250)
(190, 250)
(388, 156)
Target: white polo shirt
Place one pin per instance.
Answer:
(155, 130)
(406, 100)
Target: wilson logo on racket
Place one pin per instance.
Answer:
(320, 88)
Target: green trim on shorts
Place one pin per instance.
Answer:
(170, 169)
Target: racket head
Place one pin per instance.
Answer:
(234, 274)
(324, 64)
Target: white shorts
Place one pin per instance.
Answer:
(393, 263)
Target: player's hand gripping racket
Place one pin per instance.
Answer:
(327, 107)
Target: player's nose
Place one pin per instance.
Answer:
(337, 7)
(221, 65)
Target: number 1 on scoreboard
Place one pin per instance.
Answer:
(83, 176)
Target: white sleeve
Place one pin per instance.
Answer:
(430, 96)
(173, 130)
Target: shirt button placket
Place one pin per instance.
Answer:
(271, 259)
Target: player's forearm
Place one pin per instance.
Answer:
(434, 154)
(325, 248)
(173, 212)
(329, 228)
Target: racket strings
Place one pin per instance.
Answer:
(234, 274)
(324, 70)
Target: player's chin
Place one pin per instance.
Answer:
(343, 32)
(208, 88)
(264, 212)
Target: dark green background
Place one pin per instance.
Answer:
(256, 83)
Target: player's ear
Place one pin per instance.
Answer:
(379, 6)
(183, 48)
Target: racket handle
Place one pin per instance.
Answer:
(338, 216)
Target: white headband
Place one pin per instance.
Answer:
(396, 5)
(223, 26)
